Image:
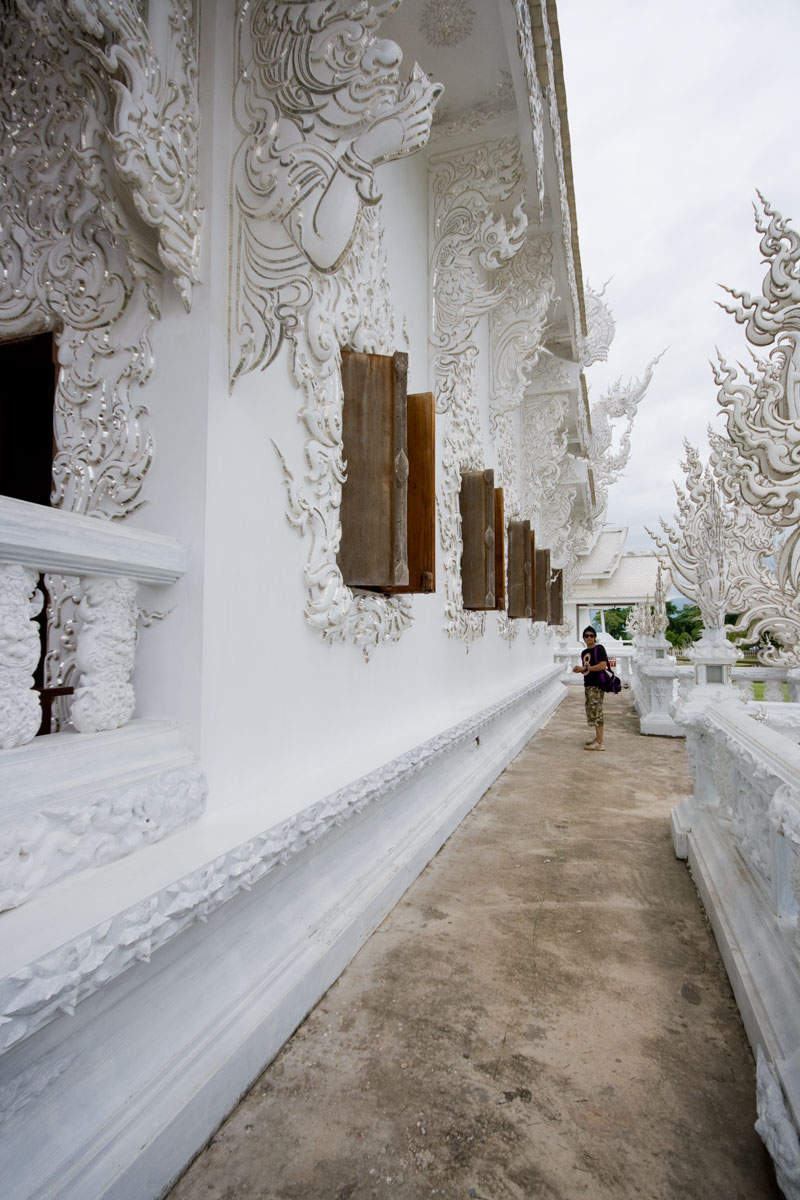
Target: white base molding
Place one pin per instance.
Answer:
(760, 955)
(72, 801)
(138, 1015)
(660, 725)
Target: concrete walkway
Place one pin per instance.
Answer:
(544, 1015)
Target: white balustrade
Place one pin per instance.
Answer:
(740, 833)
(110, 560)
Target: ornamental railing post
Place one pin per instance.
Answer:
(20, 708)
(104, 697)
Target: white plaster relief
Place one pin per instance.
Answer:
(563, 193)
(446, 22)
(535, 100)
(43, 846)
(20, 602)
(600, 326)
(105, 654)
(57, 982)
(499, 103)
(318, 283)
(473, 240)
(88, 116)
(319, 103)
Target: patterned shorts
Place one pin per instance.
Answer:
(593, 698)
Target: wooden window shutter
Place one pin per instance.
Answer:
(373, 547)
(520, 582)
(499, 550)
(556, 598)
(478, 538)
(421, 521)
(541, 586)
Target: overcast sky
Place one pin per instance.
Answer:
(677, 113)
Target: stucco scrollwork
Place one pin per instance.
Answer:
(94, 124)
(474, 238)
(600, 326)
(318, 103)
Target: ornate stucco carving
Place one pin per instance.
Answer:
(600, 326)
(620, 402)
(308, 262)
(446, 22)
(57, 982)
(318, 103)
(516, 326)
(94, 124)
(535, 99)
(106, 650)
(99, 827)
(473, 239)
(20, 601)
(500, 100)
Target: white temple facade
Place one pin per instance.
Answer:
(230, 232)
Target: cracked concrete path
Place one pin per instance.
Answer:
(544, 1015)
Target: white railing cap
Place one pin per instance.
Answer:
(67, 543)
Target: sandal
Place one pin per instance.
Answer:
(594, 746)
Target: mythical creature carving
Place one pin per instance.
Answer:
(620, 402)
(600, 326)
(319, 104)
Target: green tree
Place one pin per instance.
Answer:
(685, 625)
(616, 620)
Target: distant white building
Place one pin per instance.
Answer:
(609, 578)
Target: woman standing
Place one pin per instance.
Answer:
(594, 660)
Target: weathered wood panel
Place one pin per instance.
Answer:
(520, 581)
(499, 550)
(478, 537)
(556, 598)
(373, 546)
(541, 586)
(421, 521)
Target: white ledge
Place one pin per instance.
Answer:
(76, 936)
(66, 543)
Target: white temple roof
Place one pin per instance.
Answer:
(632, 581)
(602, 561)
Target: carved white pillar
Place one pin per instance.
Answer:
(104, 697)
(20, 707)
